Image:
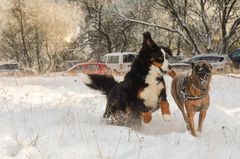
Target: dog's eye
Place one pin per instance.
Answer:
(197, 68)
(205, 66)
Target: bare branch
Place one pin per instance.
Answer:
(144, 23)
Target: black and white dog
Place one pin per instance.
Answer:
(143, 88)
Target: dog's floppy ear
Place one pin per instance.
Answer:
(147, 40)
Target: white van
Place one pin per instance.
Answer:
(119, 62)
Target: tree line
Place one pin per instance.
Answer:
(42, 34)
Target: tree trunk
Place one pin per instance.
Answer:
(25, 51)
(38, 50)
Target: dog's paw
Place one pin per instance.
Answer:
(167, 117)
(188, 127)
(198, 133)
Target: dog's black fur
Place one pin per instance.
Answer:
(123, 95)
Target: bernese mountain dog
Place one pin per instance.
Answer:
(143, 89)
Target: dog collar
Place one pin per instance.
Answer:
(190, 97)
(202, 89)
(184, 94)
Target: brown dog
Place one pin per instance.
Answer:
(191, 94)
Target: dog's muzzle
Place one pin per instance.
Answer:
(203, 75)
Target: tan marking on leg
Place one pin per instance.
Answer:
(164, 107)
(147, 116)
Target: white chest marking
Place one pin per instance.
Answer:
(151, 93)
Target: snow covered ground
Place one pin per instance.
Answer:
(60, 118)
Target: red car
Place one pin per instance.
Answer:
(92, 67)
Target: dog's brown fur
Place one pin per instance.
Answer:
(197, 92)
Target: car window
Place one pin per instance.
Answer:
(195, 59)
(208, 58)
(93, 67)
(113, 59)
(9, 67)
(236, 54)
(79, 68)
(212, 59)
(103, 59)
(128, 58)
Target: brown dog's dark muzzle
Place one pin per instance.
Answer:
(204, 74)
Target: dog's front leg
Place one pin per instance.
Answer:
(191, 115)
(202, 116)
(164, 105)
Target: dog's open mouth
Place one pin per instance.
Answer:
(203, 76)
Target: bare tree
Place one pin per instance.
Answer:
(34, 36)
(104, 31)
(227, 14)
(198, 22)
(20, 16)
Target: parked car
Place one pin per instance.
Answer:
(119, 62)
(91, 67)
(220, 63)
(13, 68)
(235, 57)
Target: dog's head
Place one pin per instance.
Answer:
(202, 71)
(158, 54)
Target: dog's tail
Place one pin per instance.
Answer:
(103, 83)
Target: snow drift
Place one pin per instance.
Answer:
(60, 118)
